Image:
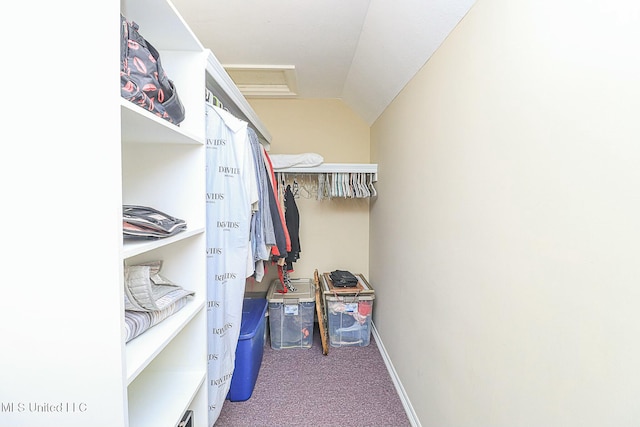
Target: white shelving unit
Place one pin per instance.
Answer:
(76, 156)
(163, 166)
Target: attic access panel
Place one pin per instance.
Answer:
(264, 81)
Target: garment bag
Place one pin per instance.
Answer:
(228, 220)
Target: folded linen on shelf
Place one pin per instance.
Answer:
(149, 298)
(137, 322)
(146, 290)
(144, 222)
(280, 161)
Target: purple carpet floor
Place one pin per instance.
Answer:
(302, 387)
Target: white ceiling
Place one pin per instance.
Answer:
(361, 51)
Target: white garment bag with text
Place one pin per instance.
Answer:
(228, 188)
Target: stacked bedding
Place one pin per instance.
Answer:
(137, 322)
(149, 298)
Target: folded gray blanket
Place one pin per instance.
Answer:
(149, 298)
(137, 322)
(146, 290)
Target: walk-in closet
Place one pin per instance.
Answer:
(467, 168)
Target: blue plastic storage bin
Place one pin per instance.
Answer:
(249, 350)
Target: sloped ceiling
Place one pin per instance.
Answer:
(361, 51)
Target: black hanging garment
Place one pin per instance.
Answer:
(292, 219)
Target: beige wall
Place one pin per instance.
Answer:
(334, 234)
(505, 242)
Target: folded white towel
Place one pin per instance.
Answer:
(281, 161)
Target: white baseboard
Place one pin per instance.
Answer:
(406, 403)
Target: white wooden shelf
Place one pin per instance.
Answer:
(132, 248)
(141, 350)
(150, 403)
(371, 168)
(142, 127)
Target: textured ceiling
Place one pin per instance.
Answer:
(361, 51)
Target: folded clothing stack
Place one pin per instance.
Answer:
(149, 297)
(144, 222)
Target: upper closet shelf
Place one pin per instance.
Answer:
(141, 126)
(370, 168)
(161, 24)
(222, 86)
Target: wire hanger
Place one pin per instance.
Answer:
(295, 188)
(212, 99)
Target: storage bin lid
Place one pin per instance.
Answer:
(304, 292)
(253, 312)
(349, 297)
(362, 288)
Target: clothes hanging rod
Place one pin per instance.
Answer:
(222, 86)
(333, 167)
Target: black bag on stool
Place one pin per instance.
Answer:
(343, 279)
